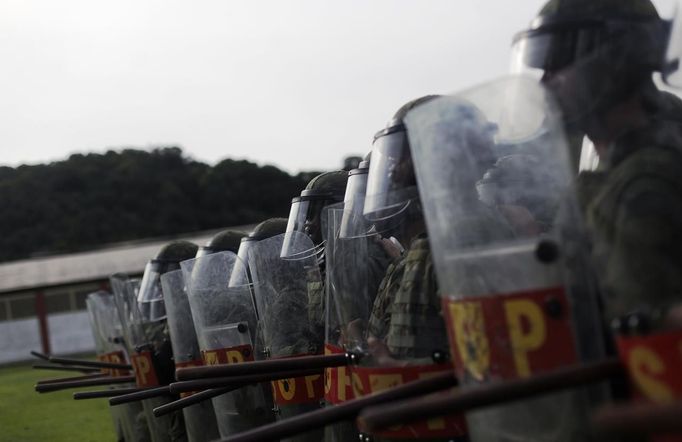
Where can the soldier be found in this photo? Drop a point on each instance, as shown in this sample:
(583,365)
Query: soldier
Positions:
(633,203)
(287,279)
(200,419)
(493,170)
(392,203)
(154,353)
(355,263)
(406,337)
(106,329)
(225,321)
(307,216)
(599,59)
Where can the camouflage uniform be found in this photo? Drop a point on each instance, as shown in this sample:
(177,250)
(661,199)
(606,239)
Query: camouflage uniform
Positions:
(416,327)
(381,317)
(407,312)
(633,206)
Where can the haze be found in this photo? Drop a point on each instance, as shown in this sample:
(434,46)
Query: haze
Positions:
(297,84)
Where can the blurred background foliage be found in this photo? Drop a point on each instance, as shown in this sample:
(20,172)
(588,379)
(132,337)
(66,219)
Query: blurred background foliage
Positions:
(89,200)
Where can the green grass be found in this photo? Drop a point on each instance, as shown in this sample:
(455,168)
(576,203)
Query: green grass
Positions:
(27,416)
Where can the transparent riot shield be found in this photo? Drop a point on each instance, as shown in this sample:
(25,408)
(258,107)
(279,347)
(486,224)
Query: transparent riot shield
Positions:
(496,185)
(200,421)
(288,293)
(151,356)
(347,306)
(387,309)
(226,326)
(108,335)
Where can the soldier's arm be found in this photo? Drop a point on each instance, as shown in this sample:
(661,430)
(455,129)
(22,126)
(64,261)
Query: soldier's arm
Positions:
(645,261)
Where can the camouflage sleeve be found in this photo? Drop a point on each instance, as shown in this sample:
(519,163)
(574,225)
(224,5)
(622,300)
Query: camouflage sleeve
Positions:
(644,263)
(416,327)
(380,317)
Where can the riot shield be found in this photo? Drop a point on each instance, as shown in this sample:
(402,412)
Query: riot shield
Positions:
(225,322)
(107,331)
(289,321)
(151,357)
(508,246)
(200,421)
(384,307)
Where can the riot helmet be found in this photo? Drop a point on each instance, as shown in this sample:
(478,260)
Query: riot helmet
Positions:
(352,222)
(391,183)
(595,54)
(227,240)
(150,296)
(306,209)
(266,229)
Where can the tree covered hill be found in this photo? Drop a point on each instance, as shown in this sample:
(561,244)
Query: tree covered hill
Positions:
(94,199)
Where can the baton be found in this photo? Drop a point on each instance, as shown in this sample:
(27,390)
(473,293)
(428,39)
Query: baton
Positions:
(344,411)
(87,363)
(65,368)
(639,419)
(104,393)
(40,355)
(145,393)
(72,378)
(266,366)
(56,386)
(239,381)
(190,400)
(378,418)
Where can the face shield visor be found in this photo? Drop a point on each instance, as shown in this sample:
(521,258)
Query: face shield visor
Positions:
(204,250)
(352,222)
(590,64)
(150,296)
(391,184)
(306,216)
(240,273)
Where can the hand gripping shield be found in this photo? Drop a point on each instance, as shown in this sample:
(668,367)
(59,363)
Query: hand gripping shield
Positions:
(225,322)
(283,288)
(106,329)
(507,243)
(200,420)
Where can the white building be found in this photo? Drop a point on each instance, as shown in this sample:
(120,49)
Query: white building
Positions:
(42,300)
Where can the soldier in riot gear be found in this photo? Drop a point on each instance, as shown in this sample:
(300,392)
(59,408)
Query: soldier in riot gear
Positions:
(392,202)
(307,216)
(106,329)
(225,319)
(493,171)
(200,419)
(287,280)
(599,59)
(405,337)
(155,350)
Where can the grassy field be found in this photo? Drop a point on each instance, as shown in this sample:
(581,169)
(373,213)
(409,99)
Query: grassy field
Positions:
(27,416)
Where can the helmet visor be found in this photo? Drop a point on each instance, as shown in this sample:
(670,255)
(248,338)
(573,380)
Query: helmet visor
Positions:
(352,222)
(150,296)
(555,48)
(240,272)
(391,168)
(306,216)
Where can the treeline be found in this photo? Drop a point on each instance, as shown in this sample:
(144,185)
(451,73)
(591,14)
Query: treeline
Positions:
(90,200)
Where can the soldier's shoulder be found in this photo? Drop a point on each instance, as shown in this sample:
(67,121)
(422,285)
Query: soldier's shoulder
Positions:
(419,248)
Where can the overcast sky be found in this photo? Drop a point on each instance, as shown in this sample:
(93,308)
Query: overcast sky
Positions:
(297,84)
